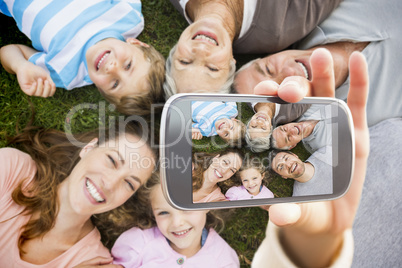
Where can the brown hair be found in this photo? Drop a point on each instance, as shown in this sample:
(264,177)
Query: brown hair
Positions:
(240,140)
(55,157)
(248,163)
(141,104)
(203,161)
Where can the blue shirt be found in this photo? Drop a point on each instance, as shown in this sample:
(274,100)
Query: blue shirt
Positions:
(377,22)
(205,114)
(62,31)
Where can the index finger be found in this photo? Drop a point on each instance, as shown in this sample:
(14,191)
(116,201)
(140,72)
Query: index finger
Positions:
(359,86)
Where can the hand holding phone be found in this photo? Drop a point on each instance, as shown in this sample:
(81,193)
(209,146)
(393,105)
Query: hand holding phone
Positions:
(324,222)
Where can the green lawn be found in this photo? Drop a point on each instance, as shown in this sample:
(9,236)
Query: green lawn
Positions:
(66,110)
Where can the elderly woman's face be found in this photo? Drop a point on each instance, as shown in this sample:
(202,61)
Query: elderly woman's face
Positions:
(108,174)
(202,59)
(275,67)
(223,167)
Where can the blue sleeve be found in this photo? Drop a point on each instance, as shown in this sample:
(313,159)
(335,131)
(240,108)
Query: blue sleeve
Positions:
(39,59)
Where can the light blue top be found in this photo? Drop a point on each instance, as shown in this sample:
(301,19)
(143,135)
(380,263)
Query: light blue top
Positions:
(206,113)
(378,22)
(62,31)
(321,182)
(322,133)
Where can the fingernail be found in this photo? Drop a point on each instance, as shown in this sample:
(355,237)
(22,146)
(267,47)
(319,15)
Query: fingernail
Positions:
(272,83)
(290,83)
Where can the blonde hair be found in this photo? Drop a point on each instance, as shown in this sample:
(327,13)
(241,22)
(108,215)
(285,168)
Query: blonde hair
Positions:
(141,104)
(255,163)
(170,87)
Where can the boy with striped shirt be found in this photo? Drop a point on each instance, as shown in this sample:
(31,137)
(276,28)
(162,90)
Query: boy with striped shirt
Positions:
(217,118)
(78,43)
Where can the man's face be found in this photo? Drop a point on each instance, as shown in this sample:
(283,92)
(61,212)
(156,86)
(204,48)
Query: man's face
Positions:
(201,61)
(275,67)
(288,165)
(118,68)
(259,125)
(289,135)
(228,129)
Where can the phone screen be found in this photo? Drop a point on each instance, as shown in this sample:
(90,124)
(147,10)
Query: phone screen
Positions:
(246,150)
(254,150)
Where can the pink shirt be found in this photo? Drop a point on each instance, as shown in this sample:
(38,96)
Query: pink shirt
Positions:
(214,196)
(241,193)
(149,248)
(14,167)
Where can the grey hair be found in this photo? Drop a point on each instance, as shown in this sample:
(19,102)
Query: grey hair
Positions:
(257,145)
(170,87)
(274,143)
(233,89)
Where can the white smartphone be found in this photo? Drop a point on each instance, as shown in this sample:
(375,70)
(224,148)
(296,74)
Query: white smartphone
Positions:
(232,150)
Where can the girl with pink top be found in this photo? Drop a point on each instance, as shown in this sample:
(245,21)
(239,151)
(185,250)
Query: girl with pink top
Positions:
(176,238)
(49,196)
(252,177)
(210,173)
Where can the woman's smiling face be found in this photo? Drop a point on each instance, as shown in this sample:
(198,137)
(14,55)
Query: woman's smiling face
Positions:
(223,167)
(107,174)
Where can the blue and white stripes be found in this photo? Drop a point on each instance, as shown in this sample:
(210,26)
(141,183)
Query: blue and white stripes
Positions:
(63,30)
(204,115)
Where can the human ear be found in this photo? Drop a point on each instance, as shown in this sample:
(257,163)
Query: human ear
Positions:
(134,41)
(92,144)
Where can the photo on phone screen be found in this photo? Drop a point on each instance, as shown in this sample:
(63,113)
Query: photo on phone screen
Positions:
(251,151)
(281,141)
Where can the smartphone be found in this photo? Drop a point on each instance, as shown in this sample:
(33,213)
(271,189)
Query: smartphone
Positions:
(234,150)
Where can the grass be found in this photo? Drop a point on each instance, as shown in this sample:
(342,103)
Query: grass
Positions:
(69,110)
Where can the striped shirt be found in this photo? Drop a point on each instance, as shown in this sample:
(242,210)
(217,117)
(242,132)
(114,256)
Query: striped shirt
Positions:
(205,114)
(62,31)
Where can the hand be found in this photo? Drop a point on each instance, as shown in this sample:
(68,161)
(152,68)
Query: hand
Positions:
(35,81)
(196,134)
(98,262)
(312,232)
(294,88)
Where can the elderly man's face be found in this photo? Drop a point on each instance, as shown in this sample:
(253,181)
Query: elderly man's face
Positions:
(288,165)
(275,67)
(259,126)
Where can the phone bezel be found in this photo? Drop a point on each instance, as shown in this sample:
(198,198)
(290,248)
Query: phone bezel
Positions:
(178,190)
